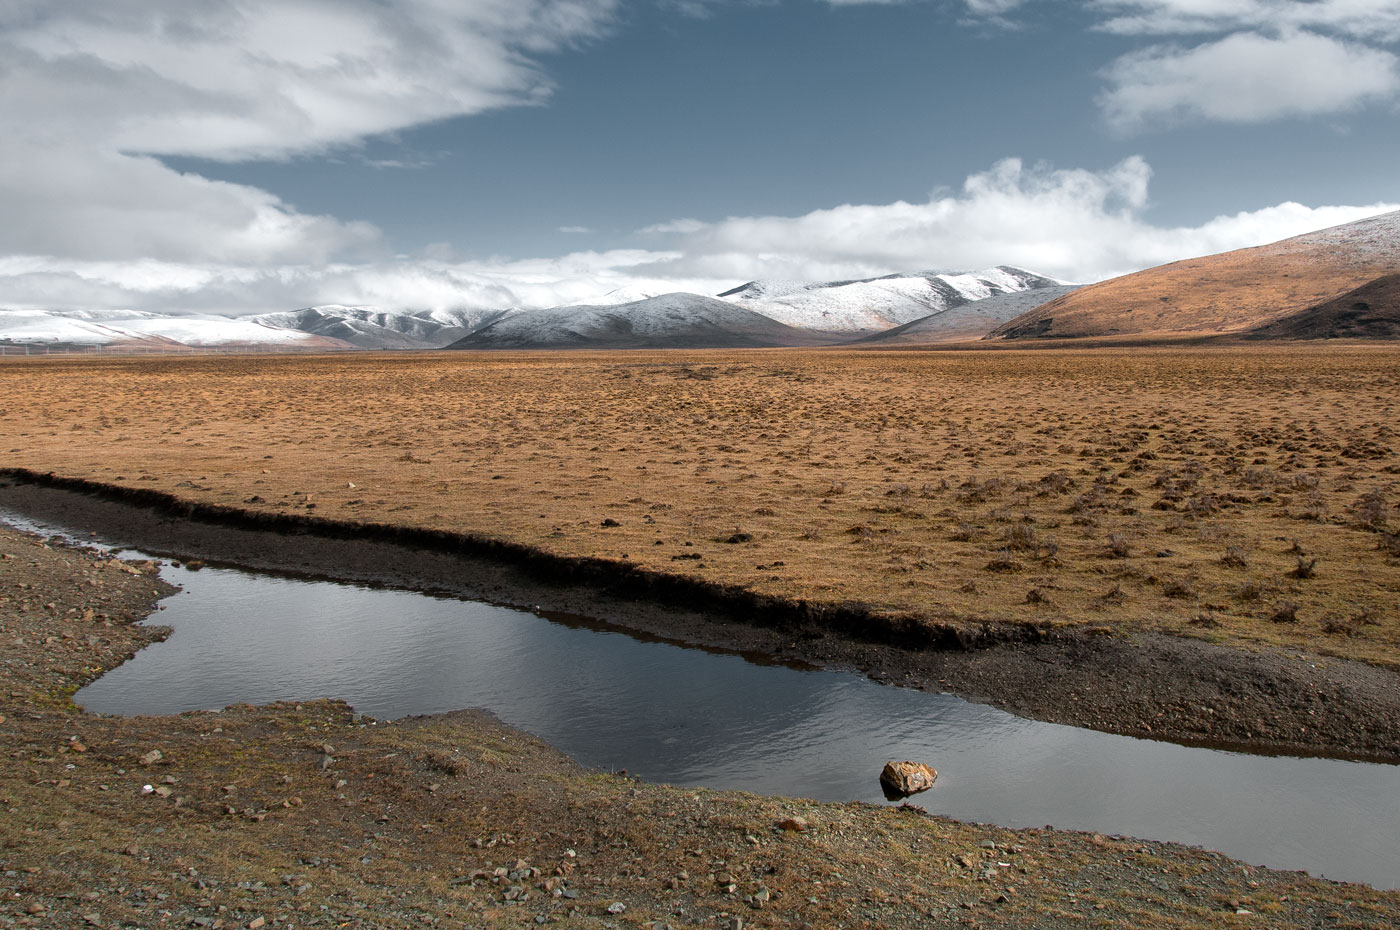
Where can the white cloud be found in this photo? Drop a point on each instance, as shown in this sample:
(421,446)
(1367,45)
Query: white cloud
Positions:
(238,79)
(1247,77)
(686,225)
(992,8)
(95,204)
(48,283)
(1377,19)
(1074,224)
(1275,59)
(88,91)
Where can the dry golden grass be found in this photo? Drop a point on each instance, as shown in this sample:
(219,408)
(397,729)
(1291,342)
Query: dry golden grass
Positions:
(1246,495)
(1225,293)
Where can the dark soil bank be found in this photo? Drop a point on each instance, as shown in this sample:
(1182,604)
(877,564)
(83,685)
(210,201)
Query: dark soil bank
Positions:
(1161,687)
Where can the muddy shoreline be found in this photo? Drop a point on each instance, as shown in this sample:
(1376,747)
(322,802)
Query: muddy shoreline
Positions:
(1154,686)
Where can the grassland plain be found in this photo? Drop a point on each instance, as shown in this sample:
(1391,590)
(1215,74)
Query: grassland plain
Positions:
(302,815)
(1241,497)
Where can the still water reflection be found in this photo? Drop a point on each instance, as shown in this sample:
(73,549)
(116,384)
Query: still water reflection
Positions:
(689,717)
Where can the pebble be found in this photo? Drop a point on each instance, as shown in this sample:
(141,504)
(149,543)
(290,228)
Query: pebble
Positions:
(152,757)
(617,907)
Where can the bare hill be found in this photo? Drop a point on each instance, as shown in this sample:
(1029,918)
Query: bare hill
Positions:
(1372,311)
(1227,293)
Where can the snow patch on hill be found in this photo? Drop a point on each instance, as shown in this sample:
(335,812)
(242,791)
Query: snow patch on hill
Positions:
(381,327)
(109,327)
(666,321)
(1375,237)
(971,320)
(628,294)
(877,304)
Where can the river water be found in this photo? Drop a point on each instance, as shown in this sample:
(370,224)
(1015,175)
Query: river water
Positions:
(693,717)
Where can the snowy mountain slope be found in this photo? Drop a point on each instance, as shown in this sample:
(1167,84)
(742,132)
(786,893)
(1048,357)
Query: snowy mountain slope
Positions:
(218,331)
(668,321)
(971,320)
(877,304)
(381,328)
(40,327)
(92,328)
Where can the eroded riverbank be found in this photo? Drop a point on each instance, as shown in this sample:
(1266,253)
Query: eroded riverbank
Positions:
(300,816)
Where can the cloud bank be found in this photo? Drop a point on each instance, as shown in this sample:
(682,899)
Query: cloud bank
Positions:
(1074,224)
(1069,223)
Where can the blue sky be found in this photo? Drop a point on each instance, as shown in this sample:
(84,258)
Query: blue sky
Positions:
(246,155)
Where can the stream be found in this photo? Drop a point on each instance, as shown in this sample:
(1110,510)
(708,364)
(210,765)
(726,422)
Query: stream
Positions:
(695,717)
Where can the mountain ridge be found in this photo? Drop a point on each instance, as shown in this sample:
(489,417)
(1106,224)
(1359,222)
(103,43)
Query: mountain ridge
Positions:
(676,320)
(967,322)
(370,327)
(871,305)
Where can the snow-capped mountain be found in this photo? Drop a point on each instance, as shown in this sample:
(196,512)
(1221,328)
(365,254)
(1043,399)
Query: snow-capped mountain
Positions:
(667,321)
(761,313)
(383,328)
(134,328)
(877,304)
(971,320)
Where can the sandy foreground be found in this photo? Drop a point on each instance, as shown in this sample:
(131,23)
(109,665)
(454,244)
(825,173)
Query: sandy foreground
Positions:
(303,816)
(1186,543)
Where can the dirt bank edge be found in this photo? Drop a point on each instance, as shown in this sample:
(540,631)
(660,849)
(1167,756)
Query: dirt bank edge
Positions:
(1149,685)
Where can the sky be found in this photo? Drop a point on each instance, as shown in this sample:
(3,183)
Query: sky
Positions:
(243,156)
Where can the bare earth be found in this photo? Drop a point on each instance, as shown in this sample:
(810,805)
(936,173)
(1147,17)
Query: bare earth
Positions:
(1189,543)
(301,816)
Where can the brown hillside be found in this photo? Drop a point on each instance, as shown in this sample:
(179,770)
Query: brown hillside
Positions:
(1225,293)
(1372,311)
